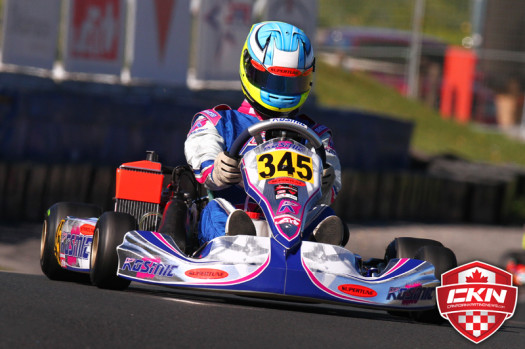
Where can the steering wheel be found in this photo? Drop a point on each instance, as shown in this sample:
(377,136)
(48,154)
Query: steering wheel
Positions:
(255,131)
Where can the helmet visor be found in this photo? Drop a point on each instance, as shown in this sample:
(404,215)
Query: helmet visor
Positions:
(282,81)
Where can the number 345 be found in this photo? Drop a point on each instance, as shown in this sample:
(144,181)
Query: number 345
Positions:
(285,164)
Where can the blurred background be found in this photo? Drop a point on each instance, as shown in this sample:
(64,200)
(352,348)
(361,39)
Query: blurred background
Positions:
(425,98)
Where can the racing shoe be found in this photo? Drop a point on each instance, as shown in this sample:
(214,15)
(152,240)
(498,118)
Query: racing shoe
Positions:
(331,230)
(239,223)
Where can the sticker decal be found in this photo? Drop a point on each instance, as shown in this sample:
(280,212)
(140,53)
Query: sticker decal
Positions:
(147,267)
(357,290)
(287,219)
(287,180)
(286,191)
(288,206)
(410,294)
(87,229)
(206,273)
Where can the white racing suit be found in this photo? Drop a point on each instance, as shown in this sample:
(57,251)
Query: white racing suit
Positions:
(213,131)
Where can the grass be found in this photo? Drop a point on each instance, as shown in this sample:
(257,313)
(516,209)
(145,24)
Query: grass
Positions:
(448,20)
(432,134)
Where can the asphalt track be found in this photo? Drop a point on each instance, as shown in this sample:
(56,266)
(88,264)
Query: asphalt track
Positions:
(39,313)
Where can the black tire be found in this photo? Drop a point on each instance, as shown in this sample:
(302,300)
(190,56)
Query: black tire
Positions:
(406,247)
(109,233)
(346,235)
(423,249)
(443,260)
(55,214)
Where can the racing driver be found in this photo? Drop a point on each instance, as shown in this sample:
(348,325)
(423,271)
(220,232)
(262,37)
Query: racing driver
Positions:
(276,69)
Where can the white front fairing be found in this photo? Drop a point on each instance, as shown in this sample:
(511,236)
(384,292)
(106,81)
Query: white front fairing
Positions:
(284,179)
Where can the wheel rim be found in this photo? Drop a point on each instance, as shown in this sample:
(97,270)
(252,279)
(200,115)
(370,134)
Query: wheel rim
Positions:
(94,249)
(43,240)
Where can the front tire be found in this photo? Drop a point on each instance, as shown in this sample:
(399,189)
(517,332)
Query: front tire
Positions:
(443,260)
(432,251)
(405,247)
(109,233)
(49,242)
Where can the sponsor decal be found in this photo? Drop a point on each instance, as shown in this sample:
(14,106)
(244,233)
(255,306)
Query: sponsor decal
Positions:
(213,116)
(287,180)
(95,29)
(148,266)
(287,219)
(287,191)
(252,142)
(357,290)
(147,275)
(410,294)
(283,145)
(206,273)
(320,129)
(288,206)
(87,229)
(75,245)
(198,126)
(284,71)
(476,298)
(292,121)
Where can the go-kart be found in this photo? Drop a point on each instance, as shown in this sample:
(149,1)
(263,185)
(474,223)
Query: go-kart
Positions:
(514,263)
(282,175)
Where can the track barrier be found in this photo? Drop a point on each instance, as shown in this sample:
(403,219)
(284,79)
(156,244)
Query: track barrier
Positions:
(28,189)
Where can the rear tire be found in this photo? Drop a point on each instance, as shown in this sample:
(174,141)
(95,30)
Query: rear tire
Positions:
(49,262)
(109,233)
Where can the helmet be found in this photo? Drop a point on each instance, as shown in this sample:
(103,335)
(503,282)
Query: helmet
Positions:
(276,68)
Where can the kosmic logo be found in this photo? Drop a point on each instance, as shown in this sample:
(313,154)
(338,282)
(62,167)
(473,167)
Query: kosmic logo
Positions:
(476,298)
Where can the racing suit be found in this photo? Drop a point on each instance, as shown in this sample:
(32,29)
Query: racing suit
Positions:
(213,131)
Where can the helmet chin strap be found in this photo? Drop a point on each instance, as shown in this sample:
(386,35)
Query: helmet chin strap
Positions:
(264,112)
(269,114)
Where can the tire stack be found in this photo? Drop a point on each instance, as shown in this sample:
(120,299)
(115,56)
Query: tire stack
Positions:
(446,191)
(28,189)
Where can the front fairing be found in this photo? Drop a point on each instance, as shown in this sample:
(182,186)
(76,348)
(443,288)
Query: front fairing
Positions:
(283,177)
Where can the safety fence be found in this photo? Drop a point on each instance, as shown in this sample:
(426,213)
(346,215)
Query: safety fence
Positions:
(168,42)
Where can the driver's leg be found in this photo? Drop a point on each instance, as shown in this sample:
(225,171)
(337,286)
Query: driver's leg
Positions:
(213,221)
(322,225)
(220,217)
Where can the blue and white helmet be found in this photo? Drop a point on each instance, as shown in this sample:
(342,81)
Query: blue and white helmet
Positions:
(276,68)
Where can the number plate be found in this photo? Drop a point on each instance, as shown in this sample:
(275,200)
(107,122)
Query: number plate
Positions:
(282,163)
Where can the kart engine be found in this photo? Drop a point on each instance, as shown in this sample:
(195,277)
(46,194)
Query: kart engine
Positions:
(139,189)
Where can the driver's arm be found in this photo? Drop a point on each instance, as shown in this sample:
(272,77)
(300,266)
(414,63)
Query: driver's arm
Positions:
(202,146)
(333,160)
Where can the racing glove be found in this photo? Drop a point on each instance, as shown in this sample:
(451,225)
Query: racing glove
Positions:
(327,180)
(226,170)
